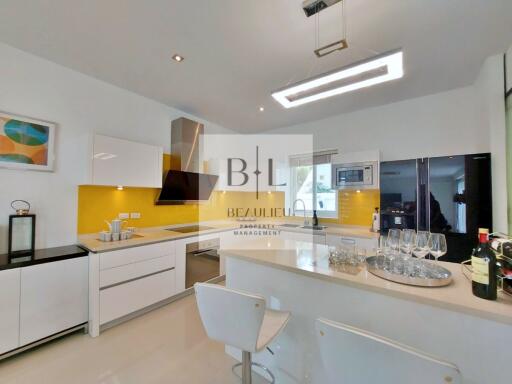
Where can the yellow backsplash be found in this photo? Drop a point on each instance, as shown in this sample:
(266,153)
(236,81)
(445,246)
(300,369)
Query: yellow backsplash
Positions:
(97,204)
(356,208)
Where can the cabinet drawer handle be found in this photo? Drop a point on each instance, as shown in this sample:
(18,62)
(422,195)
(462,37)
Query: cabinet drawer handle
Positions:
(136,278)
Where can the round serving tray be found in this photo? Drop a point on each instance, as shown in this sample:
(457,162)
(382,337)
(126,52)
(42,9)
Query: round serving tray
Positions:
(439,276)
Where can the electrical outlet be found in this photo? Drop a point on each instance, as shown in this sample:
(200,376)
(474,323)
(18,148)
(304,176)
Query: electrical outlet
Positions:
(124,216)
(135,215)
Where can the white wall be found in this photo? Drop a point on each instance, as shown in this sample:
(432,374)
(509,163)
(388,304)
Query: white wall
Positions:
(490,88)
(78,104)
(447,123)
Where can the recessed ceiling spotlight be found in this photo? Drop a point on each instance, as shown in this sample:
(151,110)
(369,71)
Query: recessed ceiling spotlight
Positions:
(262,109)
(178,58)
(375,70)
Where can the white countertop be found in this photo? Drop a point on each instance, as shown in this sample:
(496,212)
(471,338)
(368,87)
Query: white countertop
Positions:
(311,260)
(152,235)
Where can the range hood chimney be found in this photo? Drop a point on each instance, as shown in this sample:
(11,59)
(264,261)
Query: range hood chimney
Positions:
(185,137)
(184,182)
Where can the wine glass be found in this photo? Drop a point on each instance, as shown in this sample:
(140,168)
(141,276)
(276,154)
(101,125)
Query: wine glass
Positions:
(393,245)
(437,245)
(421,248)
(394,236)
(407,241)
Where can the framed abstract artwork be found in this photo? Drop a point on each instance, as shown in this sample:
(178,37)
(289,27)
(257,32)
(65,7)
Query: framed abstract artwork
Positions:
(26,143)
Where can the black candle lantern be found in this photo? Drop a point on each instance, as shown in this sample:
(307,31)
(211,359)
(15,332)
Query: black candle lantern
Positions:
(22,230)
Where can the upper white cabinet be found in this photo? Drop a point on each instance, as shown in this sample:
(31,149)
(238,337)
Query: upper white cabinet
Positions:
(10,309)
(121,162)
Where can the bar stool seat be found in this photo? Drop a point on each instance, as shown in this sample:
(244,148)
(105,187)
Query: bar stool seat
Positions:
(272,325)
(241,320)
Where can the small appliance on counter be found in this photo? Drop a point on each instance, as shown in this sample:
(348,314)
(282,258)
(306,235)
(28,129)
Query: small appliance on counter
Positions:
(376,220)
(115,232)
(22,230)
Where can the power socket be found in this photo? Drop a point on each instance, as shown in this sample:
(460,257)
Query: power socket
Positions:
(135,215)
(124,216)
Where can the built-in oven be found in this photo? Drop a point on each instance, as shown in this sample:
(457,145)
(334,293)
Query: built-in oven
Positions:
(355,175)
(202,262)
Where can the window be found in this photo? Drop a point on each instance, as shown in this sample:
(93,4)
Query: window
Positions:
(311,183)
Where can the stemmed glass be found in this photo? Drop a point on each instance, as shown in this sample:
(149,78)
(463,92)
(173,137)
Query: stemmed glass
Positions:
(393,244)
(437,245)
(407,241)
(421,248)
(394,239)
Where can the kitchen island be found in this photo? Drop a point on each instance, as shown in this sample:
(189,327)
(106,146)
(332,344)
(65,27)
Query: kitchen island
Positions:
(448,322)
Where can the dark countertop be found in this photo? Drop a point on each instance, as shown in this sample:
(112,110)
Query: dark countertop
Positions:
(41,256)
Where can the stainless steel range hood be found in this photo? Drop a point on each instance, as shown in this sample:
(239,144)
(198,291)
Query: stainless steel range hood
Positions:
(185,182)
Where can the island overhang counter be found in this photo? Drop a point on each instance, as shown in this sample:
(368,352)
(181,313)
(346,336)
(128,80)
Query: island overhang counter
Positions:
(447,322)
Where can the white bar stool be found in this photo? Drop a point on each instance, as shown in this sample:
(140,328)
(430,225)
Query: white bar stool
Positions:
(240,320)
(354,356)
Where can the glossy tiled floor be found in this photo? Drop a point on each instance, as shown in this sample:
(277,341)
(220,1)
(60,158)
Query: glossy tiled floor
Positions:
(168,345)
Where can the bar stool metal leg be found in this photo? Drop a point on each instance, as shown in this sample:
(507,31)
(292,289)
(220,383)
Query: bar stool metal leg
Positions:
(261,366)
(246,368)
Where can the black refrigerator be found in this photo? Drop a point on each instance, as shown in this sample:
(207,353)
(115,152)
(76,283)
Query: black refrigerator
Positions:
(450,195)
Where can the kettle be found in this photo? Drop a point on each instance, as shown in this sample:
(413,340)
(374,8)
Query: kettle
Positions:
(115,225)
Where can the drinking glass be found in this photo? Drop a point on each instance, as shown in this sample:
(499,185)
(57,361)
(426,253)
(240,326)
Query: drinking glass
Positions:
(394,236)
(393,247)
(421,248)
(407,241)
(437,245)
(361,255)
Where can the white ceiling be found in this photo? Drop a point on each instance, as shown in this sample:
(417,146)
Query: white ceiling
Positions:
(238,51)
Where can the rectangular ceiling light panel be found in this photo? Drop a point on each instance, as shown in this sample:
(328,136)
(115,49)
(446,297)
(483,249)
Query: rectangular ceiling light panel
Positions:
(376,70)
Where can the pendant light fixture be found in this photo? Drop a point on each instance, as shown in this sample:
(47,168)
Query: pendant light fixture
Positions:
(375,70)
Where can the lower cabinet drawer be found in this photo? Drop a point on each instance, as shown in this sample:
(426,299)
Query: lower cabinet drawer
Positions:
(123,299)
(132,271)
(136,254)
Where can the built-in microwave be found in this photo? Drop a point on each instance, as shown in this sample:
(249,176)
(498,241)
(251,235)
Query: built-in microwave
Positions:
(355,175)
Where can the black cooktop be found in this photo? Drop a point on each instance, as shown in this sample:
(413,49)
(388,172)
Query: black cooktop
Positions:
(189,229)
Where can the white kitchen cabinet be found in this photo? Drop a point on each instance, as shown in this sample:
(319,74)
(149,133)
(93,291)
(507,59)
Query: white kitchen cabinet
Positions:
(123,299)
(115,162)
(316,238)
(359,242)
(127,280)
(181,262)
(10,310)
(53,298)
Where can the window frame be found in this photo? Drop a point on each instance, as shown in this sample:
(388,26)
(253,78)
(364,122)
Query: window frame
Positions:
(294,188)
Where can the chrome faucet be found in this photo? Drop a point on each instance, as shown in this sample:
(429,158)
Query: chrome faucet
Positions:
(304,209)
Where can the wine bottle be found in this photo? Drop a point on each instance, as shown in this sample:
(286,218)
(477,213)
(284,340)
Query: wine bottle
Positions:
(483,263)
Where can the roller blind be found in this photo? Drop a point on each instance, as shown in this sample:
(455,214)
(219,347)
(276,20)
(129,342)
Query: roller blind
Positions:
(320,157)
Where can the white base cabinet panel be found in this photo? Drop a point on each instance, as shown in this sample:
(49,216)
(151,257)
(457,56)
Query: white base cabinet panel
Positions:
(317,238)
(9,309)
(53,298)
(369,244)
(123,299)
